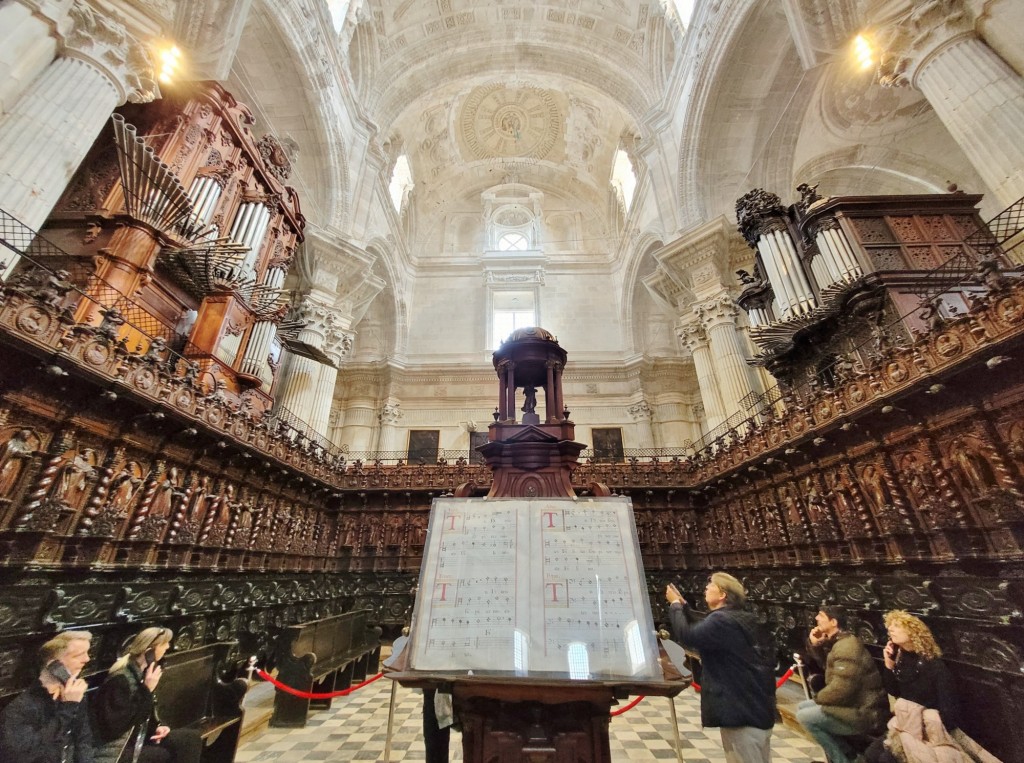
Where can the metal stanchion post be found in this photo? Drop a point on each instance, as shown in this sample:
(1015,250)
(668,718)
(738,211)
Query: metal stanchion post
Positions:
(675,729)
(391,721)
(803,679)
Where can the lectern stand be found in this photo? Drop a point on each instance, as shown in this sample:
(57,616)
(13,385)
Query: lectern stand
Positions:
(532,607)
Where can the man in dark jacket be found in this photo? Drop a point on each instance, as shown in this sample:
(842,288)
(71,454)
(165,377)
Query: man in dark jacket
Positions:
(48,722)
(737,682)
(852,703)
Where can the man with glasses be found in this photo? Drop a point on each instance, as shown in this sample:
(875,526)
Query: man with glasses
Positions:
(48,722)
(737,661)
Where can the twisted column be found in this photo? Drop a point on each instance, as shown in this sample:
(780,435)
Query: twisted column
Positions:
(50,128)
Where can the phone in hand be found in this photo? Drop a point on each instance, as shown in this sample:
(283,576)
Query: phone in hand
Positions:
(59,672)
(150,656)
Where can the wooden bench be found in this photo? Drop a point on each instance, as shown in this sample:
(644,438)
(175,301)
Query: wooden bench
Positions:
(192,695)
(322,656)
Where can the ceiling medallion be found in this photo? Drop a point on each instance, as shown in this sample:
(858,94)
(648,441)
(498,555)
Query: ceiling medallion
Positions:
(498,121)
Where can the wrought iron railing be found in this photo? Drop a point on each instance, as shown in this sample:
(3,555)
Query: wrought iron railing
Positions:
(80,271)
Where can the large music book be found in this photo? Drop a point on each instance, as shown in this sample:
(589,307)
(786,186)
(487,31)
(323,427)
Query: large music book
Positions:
(533,587)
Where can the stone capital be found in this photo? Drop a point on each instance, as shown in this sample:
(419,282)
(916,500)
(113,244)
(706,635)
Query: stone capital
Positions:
(105,44)
(338,344)
(692,335)
(640,411)
(910,41)
(320,321)
(719,309)
(390,413)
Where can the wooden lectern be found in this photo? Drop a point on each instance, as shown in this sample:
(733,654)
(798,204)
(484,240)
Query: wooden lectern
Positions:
(532,608)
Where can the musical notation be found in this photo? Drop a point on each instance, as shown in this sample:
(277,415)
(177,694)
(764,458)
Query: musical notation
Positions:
(541,585)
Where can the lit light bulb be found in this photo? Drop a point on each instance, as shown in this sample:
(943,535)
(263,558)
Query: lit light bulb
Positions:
(170,62)
(864,52)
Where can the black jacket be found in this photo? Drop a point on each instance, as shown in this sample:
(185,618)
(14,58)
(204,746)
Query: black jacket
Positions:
(738,686)
(926,682)
(36,728)
(122,703)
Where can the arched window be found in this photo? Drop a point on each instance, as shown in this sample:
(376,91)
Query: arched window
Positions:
(512,229)
(623,179)
(401,182)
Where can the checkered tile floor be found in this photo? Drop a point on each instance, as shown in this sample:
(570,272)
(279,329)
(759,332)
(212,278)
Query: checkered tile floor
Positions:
(356,729)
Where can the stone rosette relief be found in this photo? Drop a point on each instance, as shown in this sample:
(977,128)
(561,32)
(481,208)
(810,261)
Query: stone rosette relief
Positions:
(497,121)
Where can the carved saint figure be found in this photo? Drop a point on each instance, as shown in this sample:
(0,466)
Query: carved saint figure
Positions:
(124,487)
(530,404)
(73,481)
(13,456)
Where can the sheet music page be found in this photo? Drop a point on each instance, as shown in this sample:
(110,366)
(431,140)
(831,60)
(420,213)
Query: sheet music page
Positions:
(534,586)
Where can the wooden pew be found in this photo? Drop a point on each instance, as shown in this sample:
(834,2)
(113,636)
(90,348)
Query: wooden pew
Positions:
(191,694)
(322,656)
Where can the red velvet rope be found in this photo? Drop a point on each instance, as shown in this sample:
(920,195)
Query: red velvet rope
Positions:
(630,706)
(313,695)
(778,684)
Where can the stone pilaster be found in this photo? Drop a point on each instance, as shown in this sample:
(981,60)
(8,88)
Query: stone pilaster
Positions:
(692,335)
(735,382)
(975,93)
(50,128)
(641,414)
(389,416)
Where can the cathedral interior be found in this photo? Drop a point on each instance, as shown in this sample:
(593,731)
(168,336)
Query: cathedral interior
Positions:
(258,256)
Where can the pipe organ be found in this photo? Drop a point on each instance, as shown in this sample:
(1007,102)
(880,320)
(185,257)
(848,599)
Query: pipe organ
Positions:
(220,250)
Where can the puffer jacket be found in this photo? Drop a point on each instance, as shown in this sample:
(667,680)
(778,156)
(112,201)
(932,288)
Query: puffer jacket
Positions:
(853,690)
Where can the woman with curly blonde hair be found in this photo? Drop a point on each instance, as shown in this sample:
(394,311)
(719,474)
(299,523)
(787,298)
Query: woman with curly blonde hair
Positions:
(914,671)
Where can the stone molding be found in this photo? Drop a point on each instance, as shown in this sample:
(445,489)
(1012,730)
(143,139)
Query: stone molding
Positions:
(390,414)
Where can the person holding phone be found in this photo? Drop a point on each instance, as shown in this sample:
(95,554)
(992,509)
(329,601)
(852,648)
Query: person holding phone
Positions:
(125,721)
(48,722)
(915,672)
(852,706)
(737,660)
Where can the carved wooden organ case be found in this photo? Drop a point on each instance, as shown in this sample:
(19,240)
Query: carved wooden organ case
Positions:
(180,220)
(838,280)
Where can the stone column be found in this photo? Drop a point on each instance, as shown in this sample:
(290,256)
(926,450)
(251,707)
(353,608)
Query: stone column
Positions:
(641,413)
(28,43)
(693,336)
(975,93)
(49,130)
(337,346)
(300,389)
(735,382)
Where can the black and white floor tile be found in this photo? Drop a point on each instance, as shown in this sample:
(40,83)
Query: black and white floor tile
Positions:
(355,728)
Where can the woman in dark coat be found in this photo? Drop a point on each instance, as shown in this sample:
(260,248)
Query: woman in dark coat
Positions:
(126,726)
(914,671)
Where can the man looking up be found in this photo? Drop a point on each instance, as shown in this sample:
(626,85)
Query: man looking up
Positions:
(852,702)
(48,722)
(738,690)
